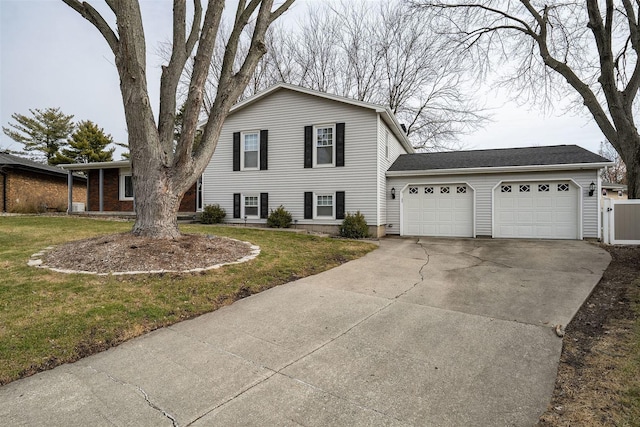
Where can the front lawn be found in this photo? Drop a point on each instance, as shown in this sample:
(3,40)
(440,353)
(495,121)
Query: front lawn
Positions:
(48,318)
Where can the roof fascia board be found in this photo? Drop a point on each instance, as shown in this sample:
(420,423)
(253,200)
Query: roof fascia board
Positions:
(501,169)
(392,122)
(96,165)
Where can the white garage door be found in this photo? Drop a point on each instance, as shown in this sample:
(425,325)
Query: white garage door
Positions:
(438,210)
(542,210)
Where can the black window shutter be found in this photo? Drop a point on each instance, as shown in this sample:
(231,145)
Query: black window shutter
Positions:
(308,205)
(236,152)
(339,144)
(264,205)
(339,204)
(308,146)
(236,205)
(264,145)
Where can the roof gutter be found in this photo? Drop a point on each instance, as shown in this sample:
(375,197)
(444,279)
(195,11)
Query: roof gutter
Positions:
(96,165)
(500,169)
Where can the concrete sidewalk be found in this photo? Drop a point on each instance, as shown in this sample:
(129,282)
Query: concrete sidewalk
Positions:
(437,332)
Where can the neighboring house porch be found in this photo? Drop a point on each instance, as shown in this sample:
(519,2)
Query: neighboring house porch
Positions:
(110,189)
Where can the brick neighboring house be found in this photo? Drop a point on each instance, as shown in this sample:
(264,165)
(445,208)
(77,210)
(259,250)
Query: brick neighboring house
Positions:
(27,186)
(110,190)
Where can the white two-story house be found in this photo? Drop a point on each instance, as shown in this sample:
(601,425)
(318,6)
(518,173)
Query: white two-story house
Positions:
(321,156)
(318,155)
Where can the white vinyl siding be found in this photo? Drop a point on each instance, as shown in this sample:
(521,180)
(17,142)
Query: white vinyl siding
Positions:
(483,185)
(389,148)
(285,113)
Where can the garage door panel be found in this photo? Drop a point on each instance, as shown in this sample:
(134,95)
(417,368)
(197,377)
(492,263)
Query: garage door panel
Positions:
(448,213)
(537,213)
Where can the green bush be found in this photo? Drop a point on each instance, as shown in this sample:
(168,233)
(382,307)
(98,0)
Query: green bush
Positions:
(354,226)
(212,214)
(279,218)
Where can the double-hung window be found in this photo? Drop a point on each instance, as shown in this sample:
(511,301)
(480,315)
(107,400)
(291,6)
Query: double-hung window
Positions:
(250,150)
(324,145)
(126,185)
(251,206)
(324,205)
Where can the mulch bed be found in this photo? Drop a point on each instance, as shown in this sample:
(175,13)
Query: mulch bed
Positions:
(126,252)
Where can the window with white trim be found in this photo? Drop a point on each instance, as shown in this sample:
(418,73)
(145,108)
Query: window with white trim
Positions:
(324,145)
(543,188)
(524,188)
(324,206)
(386,143)
(126,185)
(563,187)
(250,146)
(250,205)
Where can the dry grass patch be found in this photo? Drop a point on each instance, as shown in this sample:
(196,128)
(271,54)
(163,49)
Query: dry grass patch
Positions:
(598,382)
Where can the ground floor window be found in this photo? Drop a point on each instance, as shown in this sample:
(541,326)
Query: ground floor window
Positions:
(126,185)
(251,206)
(324,205)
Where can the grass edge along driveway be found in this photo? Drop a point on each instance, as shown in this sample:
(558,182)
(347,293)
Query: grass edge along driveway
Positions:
(48,318)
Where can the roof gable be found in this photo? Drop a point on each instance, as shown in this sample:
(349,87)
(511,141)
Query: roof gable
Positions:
(498,158)
(385,113)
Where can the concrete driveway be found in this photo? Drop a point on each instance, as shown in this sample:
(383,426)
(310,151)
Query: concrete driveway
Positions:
(442,332)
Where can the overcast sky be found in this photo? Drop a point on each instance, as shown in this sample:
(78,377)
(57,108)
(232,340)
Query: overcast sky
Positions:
(52,57)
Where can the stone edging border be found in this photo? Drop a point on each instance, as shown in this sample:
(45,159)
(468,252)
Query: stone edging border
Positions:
(36,261)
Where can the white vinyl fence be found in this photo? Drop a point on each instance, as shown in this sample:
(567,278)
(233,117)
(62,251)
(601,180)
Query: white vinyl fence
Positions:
(621,222)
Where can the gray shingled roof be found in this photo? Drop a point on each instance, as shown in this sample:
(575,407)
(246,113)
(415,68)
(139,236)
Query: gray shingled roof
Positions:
(529,156)
(16,162)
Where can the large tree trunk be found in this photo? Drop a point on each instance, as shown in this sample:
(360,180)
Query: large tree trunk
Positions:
(630,154)
(156,205)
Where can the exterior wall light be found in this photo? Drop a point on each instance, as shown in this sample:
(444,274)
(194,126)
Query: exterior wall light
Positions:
(592,189)
(393,193)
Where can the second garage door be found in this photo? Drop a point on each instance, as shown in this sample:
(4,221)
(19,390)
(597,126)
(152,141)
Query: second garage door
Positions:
(540,210)
(438,210)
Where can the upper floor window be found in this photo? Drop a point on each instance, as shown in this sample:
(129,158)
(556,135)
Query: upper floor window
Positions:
(250,150)
(324,143)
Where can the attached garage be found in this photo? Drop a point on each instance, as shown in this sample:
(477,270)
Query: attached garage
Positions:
(534,192)
(538,209)
(438,210)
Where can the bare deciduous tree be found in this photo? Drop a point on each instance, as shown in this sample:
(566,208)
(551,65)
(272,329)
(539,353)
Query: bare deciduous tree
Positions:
(558,49)
(162,169)
(373,52)
(616,173)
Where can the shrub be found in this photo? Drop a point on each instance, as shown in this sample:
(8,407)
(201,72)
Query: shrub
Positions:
(279,218)
(212,214)
(354,226)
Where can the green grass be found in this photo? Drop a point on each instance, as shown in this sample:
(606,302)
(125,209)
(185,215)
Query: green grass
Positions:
(49,318)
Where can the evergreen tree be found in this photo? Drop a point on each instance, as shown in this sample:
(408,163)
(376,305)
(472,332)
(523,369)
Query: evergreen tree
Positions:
(87,144)
(45,131)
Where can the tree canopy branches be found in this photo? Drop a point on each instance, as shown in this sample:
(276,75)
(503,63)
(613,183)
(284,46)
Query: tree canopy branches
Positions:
(546,52)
